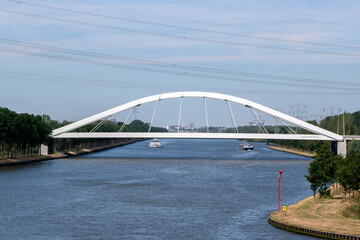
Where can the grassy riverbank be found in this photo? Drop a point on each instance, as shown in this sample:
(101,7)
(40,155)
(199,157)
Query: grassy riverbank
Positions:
(40,158)
(28,160)
(333,215)
(100,148)
(292,150)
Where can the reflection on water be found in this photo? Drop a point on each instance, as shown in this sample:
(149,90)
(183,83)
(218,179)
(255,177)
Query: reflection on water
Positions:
(189,189)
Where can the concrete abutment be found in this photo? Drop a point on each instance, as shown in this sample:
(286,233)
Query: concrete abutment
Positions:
(339,147)
(46,149)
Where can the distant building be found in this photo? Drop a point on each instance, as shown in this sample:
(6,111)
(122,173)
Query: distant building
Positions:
(173,128)
(255,124)
(190,126)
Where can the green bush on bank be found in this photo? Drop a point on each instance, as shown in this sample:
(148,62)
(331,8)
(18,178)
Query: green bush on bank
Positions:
(327,169)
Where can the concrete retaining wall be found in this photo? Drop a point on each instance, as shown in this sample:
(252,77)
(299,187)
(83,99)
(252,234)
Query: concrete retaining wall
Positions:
(311,232)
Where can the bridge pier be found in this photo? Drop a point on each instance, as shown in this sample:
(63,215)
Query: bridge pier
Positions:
(46,149)
(339,148)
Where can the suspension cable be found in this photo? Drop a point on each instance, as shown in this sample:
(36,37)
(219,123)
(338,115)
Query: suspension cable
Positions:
(100,124)
(262,127)
(206,115)
(178,126)
(152,120)
(128,116)
(232,116)
(287,127)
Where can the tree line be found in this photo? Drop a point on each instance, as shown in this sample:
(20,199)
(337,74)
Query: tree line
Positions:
(327,169)
(347,123)
(61,145)
(21,134)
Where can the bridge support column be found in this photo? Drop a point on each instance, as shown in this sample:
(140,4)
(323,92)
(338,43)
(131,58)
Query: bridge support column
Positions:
(46,149)
(339,148)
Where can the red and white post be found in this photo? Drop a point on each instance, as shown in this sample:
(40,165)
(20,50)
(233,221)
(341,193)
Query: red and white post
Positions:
(279,191)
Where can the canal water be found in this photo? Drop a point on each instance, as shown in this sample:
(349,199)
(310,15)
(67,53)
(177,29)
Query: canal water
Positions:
(188,189)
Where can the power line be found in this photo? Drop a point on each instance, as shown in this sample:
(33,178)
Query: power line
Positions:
(183,37)
(178,73)
(162,67)
(33,77)
(182,27)
(237,26)
(272,14)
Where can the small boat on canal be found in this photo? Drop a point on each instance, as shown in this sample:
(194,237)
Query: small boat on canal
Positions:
(246,146)
(155,143)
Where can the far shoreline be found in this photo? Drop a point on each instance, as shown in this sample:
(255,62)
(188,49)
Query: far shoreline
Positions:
(292,150)
(69,153)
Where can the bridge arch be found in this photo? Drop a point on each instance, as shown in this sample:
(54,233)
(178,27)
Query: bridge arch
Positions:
(320,134)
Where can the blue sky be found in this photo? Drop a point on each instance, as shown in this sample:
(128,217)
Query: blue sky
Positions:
(72,59)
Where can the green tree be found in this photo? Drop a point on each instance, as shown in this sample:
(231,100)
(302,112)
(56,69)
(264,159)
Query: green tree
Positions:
(353,147)
(322,170)
(343,177)
(348,172)
(353,162)
(21,133)
(314,176)
(7,128)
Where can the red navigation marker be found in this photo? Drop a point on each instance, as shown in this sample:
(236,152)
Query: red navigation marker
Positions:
(279,190)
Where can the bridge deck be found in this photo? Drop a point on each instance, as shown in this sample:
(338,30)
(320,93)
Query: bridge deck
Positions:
(352,137)
(193,135)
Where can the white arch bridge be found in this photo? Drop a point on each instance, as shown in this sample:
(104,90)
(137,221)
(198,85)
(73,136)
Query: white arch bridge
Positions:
(316,133)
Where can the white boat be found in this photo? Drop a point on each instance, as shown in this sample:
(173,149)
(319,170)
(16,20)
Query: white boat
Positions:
(155,143)
(246,146)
